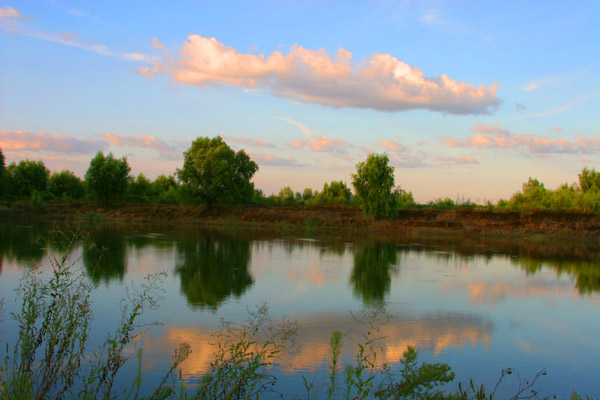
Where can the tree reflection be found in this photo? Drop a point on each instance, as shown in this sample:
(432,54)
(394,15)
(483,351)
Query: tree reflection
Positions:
(104,254)
(24,244)
(586,273)
(373,265)
(212,269)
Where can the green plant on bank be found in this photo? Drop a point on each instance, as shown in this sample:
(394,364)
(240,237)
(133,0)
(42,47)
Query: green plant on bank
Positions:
(285,227)
(309,226)
(36,201)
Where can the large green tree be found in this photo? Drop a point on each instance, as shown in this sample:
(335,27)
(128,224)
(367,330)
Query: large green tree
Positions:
(26,177)
(216,173)
(374,186)
(107,177)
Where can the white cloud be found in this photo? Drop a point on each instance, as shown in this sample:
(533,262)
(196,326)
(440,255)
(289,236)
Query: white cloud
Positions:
(382,82)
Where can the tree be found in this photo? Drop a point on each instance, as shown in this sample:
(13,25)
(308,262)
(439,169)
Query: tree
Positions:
(286,196)
(216,173)
(2,173)
(335,192)
(65,184)
(141,188)
(107,177)
(589,180)
(374,186)
(27,177)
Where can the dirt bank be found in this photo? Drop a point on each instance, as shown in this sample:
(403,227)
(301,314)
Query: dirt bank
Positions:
(414,222)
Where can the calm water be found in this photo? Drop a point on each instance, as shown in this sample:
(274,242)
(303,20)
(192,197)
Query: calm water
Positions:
(478,306)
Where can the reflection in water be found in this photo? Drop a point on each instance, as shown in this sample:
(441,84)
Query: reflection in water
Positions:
(104,254)
(373,264)
(24,244)
(211,269)
(585,272)
(311,344)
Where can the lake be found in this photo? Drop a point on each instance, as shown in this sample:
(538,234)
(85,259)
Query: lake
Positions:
(479,305)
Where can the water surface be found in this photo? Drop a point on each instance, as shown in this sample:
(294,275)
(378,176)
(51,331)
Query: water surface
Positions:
(479,306)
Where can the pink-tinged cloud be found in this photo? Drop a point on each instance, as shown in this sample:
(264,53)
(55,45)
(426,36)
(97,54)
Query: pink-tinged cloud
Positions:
(263,159)
(494,136)
(26,141)
(10,13)
(456,160)
(321,144)
(393,145)
(382,82)
(144,141)
(258,142)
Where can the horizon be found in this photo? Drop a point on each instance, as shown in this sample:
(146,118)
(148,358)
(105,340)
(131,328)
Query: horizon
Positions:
(467,99)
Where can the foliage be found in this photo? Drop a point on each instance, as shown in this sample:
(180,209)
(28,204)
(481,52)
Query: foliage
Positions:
(66,185)
(589,180)
(286,196)
(534,196)
(140,189)
(216,173)
(107,177)
(27,176)
(416,381)
(241,366)
(50,359)
(335,192)
(2,173)
(374,186)
(164,189)
(36,201)
(525,389)
(405,199)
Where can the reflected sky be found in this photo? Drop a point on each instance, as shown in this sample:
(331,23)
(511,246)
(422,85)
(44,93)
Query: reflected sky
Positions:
(479,306)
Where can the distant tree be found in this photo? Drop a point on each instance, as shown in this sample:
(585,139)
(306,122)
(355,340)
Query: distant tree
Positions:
(2,173)
(216,173)
(164,189)
(27,177)
(140,189)
(307,194)
(286,196)
(589,180)
(374,186)
(65,184)
(107,177)
(164,183)
(335,192)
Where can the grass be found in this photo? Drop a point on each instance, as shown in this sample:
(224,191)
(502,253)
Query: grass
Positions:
(50,359)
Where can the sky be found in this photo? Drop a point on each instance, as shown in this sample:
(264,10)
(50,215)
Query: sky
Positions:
(467,98)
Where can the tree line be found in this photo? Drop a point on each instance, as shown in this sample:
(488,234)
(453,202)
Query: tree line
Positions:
(214,174)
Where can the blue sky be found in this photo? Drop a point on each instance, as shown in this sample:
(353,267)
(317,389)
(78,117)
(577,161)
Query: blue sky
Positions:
(467,98)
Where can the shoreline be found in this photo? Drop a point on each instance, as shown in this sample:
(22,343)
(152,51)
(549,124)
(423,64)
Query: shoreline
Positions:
(408,222)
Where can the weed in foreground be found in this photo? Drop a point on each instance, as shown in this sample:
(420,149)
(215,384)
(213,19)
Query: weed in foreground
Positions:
(48,360)
(241,367)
